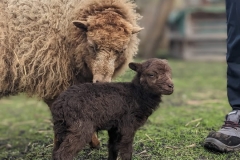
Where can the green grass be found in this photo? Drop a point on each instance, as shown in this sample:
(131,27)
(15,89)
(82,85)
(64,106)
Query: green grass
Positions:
(176,131)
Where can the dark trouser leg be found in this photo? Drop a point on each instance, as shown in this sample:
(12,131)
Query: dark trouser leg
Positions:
(233,53)
(228,137)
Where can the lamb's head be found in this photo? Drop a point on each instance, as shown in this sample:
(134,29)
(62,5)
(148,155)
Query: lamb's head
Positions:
(154,75)
(108,37)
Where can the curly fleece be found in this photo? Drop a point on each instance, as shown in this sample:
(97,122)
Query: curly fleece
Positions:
(42,52)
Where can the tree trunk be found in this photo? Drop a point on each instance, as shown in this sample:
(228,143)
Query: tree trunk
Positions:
(149,44)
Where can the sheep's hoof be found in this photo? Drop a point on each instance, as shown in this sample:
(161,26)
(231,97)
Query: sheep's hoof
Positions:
(95,143)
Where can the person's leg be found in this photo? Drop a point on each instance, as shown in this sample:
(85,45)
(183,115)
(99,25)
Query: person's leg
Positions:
(228,137)
(233,53)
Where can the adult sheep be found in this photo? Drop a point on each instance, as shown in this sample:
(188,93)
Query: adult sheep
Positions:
(46,46)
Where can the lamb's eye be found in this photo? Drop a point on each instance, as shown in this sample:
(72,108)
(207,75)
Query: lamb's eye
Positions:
(150,75)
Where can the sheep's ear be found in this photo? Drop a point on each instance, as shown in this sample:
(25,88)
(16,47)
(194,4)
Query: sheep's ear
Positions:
(135,66)
(136,30)
(81,24)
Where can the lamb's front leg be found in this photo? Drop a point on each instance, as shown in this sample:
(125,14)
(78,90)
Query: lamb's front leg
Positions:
(113,142)
(125,146)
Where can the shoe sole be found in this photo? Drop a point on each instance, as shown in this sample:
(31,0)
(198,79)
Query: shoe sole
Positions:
(215,144)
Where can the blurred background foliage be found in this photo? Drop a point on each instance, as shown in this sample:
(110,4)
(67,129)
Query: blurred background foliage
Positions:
(183,29)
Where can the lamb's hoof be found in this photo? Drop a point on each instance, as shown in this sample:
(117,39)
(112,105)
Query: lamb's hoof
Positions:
(97,146)
(95,143)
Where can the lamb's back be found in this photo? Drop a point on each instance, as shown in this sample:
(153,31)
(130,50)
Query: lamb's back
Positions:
(86,101)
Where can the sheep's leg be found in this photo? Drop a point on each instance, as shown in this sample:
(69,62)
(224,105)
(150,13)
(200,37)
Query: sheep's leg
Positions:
(125,146)
(114,139)
(79,134)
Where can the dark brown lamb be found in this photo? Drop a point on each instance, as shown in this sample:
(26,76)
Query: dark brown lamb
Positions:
(119,108)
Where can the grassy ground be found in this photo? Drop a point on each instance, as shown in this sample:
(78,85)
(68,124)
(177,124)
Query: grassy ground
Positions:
(174,132)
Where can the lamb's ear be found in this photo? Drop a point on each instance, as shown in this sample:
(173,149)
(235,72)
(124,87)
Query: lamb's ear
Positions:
(136,30)
(135,66)
(80,24)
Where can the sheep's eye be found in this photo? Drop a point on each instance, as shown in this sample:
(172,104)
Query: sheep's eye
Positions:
(118,52)
(93,47)
(121,51)
(124,49)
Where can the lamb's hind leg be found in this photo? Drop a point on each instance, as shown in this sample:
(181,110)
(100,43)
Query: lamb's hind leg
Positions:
(95,143)
(78,135)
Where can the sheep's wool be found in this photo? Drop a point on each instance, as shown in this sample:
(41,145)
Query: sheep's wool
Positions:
(42,52)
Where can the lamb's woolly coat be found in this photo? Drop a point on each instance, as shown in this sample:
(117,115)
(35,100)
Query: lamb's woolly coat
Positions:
(119,108)
(42,52)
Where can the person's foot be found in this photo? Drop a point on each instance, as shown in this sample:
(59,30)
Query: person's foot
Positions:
(227,139)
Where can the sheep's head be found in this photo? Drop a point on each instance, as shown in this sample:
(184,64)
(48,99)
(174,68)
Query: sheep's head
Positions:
(108,37)
(154,76)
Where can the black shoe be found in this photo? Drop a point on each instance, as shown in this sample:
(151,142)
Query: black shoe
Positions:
(227,139)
